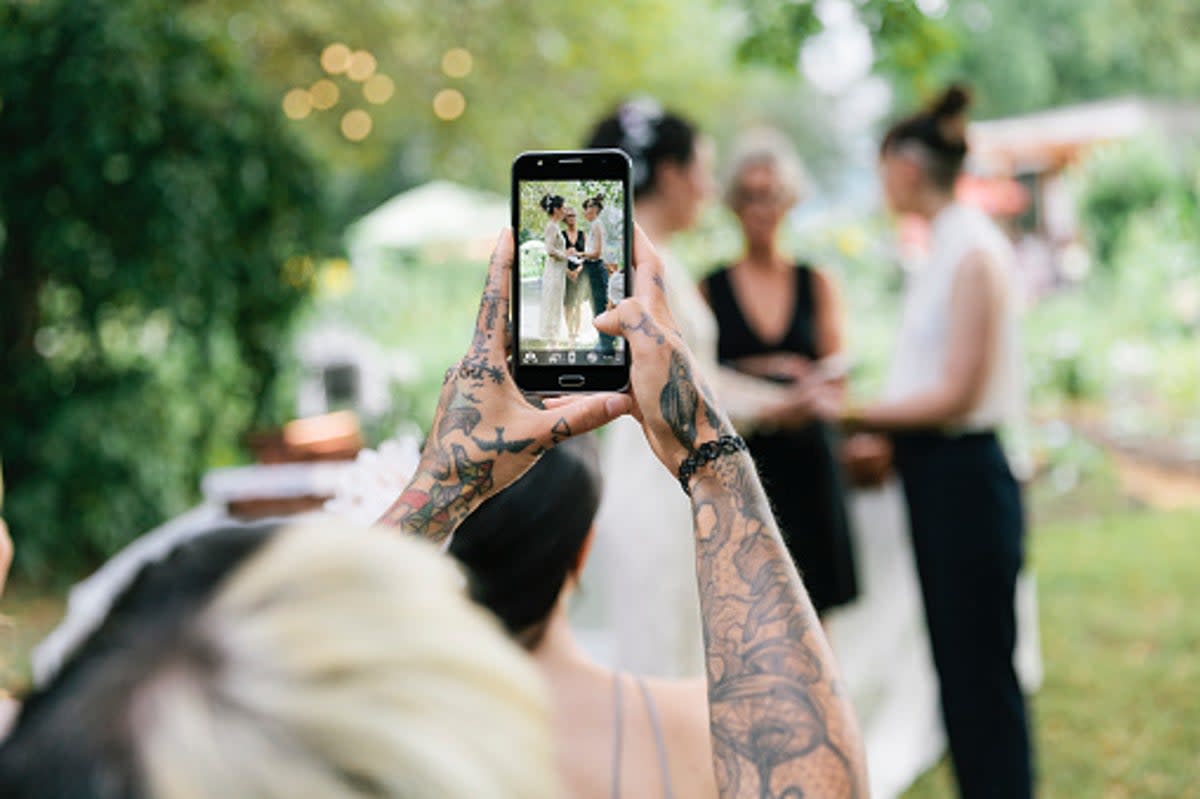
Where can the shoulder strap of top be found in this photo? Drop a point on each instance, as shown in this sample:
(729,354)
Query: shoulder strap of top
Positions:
(660,742)
(617,742)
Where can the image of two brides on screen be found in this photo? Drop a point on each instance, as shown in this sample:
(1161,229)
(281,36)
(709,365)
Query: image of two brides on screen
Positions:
(580,276)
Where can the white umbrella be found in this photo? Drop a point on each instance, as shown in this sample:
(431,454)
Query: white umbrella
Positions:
(439,214)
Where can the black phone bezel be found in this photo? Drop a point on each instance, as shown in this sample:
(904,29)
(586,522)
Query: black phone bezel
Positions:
(599,164)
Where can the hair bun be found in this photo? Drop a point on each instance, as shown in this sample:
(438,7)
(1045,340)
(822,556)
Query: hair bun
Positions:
(954,101)
(949,115)
(547,203)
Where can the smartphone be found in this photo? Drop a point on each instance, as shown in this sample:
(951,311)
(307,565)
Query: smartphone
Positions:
(572,215)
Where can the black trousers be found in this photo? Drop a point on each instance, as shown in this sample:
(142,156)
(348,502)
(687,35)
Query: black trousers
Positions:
(967,522)
(597,277)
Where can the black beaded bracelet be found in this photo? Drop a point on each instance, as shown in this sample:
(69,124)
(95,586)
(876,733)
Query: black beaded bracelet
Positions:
(706,453)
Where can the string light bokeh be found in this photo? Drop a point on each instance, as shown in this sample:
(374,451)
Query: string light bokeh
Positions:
(339,60)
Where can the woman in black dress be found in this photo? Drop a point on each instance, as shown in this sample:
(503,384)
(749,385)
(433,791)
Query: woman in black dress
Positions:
(780,319)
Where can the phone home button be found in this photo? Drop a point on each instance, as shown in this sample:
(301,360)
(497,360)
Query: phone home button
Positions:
(571,381)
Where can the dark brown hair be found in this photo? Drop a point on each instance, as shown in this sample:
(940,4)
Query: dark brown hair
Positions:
(520,546)
(649,135)
(941,132)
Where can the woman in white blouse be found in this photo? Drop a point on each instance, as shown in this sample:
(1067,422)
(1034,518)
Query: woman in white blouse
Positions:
(955,381)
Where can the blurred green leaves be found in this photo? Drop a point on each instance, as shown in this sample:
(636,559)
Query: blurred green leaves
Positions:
(908,43)
(150,195)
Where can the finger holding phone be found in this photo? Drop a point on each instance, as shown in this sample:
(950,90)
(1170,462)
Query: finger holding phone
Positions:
(673,402)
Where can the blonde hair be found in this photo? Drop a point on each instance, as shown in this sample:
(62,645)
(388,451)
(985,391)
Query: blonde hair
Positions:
(339,663)
(767,147)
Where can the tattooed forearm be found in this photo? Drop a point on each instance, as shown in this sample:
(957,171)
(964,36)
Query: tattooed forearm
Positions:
(485,434)
(780,730)
(456,467)
(434,504)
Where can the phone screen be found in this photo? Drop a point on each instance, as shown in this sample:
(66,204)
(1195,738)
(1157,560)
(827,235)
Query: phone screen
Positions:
(572,257)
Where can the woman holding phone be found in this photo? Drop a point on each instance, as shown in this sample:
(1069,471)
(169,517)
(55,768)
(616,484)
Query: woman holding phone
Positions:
(554,274)
(769,718)
(781,320)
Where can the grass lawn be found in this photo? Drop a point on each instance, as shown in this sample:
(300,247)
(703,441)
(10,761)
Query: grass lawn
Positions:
(1119,713)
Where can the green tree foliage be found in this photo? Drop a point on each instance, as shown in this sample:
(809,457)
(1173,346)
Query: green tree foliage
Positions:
(1025,55)
(1021,55)
(908,43)
(155,216)
(1121,181)
(574,193)
(541,74)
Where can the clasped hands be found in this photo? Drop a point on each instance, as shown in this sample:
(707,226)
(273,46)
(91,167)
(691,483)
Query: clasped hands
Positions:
(810,394)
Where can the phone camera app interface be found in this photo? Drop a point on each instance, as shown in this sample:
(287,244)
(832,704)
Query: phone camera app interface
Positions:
(572,260)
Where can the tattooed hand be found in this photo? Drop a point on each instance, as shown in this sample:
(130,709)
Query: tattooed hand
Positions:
(671,399)
(485,433)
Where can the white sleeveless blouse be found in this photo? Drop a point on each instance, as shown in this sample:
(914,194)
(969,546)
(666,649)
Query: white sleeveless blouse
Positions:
(923,342)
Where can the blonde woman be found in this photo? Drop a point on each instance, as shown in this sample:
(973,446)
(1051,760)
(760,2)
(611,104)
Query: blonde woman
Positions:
(554,273)
(320,661)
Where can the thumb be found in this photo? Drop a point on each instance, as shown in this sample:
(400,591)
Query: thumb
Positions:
(585,414)
(608,322)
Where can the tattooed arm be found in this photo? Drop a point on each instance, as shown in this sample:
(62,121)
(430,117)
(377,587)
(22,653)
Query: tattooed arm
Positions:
(485,434)
(780,727)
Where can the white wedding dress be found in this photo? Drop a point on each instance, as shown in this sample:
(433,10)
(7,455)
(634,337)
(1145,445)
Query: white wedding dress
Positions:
(639,608)
(554,277)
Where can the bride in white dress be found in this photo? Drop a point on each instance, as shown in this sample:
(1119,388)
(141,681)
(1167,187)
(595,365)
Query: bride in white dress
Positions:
(554,274)
(640,597)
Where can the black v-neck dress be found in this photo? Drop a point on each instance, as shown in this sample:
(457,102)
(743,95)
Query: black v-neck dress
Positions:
(799,468)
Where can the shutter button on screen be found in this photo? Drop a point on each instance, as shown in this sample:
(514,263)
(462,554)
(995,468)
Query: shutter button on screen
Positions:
(571,381)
